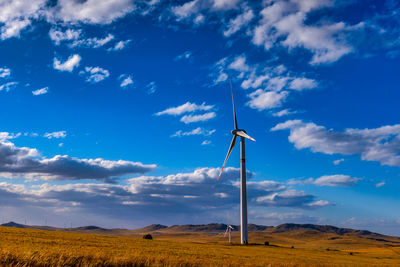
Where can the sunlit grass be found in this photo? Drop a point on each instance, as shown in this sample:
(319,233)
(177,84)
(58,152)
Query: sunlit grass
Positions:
(24,247)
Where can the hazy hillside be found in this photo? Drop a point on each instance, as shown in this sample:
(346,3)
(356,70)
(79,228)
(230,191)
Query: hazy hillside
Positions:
(320,228)
(209,228)
(152,228)
(38,227)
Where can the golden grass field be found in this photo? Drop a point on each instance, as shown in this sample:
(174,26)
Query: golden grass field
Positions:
(27,247)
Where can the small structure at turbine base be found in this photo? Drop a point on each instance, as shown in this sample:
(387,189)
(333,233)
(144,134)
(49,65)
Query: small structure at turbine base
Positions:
(147,236)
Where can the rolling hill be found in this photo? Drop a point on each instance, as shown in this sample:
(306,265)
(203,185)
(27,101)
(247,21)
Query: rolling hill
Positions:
(215,228)
(289,245)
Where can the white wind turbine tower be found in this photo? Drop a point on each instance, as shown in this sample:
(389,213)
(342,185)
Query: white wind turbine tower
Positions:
(243,191)
(229,229)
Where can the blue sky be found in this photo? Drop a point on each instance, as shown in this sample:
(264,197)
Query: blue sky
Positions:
(119,114)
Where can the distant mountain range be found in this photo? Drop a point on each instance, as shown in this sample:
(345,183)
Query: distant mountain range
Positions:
(213,228)
(89,228)
(320,228)
(206,228)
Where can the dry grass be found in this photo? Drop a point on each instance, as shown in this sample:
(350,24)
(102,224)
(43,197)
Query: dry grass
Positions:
(24,247)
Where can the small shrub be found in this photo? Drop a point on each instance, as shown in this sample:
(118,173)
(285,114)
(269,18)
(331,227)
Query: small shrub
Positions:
(292,247)
(147,236)
(266,243)
(351,253)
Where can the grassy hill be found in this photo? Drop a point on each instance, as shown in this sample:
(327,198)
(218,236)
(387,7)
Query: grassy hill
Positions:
(290,245)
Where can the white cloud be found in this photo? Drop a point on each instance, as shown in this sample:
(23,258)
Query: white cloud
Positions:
(239,64)
(185,108)
(379,144)
(127,80)
(41,91)
(254,81)
(95,74)
(338,161)
(59,134)
(283,112)
(92,42)
(193,8)
(284,23)
(90,11)
(380,184)
(319,40)
(8,86)
(195,11)
(266,186)
(31,134)
(120,45)
(75,38)
(197,118)
(222,77)
(191,108)
(199,19)
(14,28)
(165,198)
(58,36)
(206,143)
(262,100)
(17,15)
(221,195)
(5,72)
(300,84)
(224,4)
(320,203)
(191,183)
(239,22)
(339,180)
(280,23)
(187,55)
(196,131)
(277,83)
(291,198)
(28,163)
(4,136)
(69,65)
(186,9)
(218,71)
(151,87)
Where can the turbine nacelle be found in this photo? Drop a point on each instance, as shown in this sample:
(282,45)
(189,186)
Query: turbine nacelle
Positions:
(234,132)
(242,133)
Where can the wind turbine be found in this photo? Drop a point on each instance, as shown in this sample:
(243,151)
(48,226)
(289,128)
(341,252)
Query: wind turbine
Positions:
(243,191)
(229,229)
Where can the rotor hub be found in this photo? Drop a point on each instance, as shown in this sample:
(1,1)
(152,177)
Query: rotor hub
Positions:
(237,130)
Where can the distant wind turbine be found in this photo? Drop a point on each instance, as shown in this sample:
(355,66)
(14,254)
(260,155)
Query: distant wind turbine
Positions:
(229,229)
(243,191)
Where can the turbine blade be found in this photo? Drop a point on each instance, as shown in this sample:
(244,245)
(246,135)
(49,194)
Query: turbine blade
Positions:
(245,135)
(226,231)
(233,105)
(227,155)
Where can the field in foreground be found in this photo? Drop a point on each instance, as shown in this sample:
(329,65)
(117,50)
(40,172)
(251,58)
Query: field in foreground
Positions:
(27,247)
